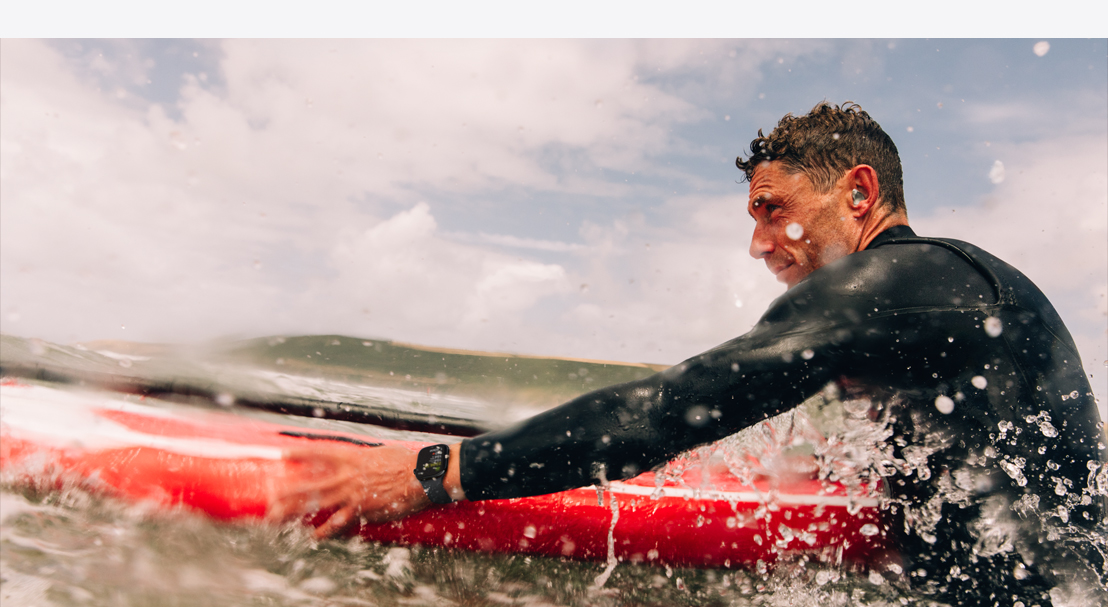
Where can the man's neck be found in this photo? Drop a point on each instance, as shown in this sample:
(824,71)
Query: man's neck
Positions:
(872,230)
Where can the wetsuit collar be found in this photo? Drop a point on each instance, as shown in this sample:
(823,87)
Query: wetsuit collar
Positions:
(889,234)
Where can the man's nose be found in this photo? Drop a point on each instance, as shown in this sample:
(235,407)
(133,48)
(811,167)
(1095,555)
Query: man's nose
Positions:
(761,245)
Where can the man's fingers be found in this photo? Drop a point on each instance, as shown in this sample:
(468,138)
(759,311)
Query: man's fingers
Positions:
(304,501)
(337,522)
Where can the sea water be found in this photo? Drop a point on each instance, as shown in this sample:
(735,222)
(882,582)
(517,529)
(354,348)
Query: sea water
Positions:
(70,548)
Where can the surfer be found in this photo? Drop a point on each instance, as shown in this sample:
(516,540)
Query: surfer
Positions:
(996,469)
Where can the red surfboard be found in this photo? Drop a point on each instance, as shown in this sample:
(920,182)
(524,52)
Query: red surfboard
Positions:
(224,465)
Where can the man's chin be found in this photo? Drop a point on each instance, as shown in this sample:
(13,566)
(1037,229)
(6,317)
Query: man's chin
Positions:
(790,275)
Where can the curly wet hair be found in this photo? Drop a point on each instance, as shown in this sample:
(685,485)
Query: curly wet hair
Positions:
(825,143)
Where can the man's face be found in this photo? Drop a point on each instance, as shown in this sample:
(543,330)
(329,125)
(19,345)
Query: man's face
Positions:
(798,229)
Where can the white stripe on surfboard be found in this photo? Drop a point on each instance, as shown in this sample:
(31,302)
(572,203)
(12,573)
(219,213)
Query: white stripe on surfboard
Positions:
(803,499)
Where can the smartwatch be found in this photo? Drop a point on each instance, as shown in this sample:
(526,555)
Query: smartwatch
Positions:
(430,470)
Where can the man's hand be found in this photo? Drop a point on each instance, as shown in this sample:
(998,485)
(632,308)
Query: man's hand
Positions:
(372,485)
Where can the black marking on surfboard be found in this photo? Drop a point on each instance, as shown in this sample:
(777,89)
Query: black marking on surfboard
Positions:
(334,437)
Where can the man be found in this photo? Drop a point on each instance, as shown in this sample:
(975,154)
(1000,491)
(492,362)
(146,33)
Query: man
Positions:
(997,461)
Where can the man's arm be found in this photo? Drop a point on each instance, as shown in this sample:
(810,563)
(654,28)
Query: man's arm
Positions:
(621,431)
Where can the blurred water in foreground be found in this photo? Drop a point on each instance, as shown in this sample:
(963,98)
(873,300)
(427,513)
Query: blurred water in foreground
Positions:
(70,549)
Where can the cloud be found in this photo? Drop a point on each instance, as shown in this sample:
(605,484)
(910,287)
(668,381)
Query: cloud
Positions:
(507,240)
(404,279)
(388,116)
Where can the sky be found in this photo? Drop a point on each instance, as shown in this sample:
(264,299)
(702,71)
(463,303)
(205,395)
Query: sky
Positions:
(565,197)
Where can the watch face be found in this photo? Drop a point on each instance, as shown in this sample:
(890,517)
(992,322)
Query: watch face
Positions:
(431,462)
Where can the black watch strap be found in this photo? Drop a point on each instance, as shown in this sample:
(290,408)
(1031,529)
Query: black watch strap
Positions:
(436,492)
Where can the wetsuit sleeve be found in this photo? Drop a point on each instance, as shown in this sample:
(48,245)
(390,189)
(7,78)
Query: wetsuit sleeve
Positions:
(623,430)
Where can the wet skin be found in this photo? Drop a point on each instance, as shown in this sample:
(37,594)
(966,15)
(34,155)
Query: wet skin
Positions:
(831,225)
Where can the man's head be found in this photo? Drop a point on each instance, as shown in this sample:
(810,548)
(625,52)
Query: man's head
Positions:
(821,187)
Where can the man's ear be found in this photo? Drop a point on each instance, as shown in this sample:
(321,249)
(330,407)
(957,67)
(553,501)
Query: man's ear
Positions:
(864,190)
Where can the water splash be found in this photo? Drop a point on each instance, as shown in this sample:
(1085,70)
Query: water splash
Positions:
(612,562)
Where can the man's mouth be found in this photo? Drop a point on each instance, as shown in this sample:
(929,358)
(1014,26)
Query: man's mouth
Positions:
(778,268)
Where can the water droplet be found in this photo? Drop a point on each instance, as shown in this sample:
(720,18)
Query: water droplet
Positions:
(979,382)
(944,404)
(696,416)
(1014,469)
(794,231)
(869,529)
(807,354)
(996,174)
(224,399)
(738,303)
(734,367)
(993,326)
(1041,48)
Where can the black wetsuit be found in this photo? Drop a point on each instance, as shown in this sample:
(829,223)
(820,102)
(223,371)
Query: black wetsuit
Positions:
(922,325)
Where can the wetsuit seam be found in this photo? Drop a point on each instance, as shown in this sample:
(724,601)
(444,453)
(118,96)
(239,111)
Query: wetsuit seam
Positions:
(1002,292)
(889,314)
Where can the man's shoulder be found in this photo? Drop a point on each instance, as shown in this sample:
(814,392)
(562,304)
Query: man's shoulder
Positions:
(904,272)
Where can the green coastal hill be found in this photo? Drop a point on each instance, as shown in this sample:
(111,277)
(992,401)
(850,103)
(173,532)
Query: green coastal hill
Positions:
(537,380)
